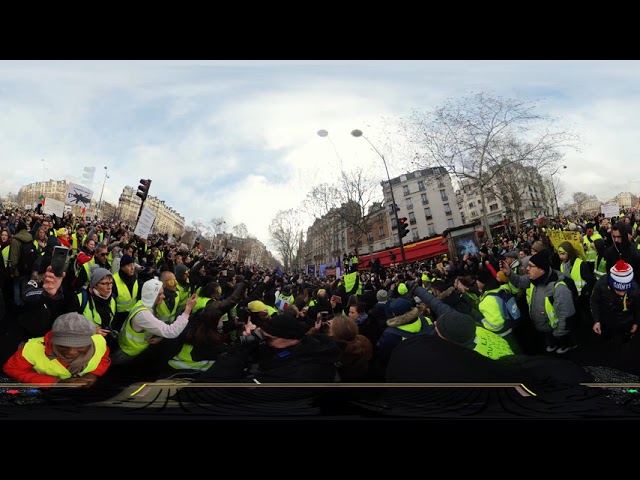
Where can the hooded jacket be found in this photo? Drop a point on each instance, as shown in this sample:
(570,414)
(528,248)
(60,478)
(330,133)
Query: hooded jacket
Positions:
(23,236)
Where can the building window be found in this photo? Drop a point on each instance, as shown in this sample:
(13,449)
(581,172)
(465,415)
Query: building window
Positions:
(403,178)
(409,204)
(379,218)
(472,204)
(450,223)
(381,232)
(447,209)
(493,207)
(370,237)
(405,190)
(427,213)
(421,185)
(443,195)
(424,199)
(474,214)
(431,228)
(412,218)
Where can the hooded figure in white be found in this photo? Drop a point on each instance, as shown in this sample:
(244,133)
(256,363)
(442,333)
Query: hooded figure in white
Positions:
(142,319)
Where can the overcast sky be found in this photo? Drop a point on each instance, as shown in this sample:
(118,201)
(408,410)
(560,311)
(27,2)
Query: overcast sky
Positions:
(238,139)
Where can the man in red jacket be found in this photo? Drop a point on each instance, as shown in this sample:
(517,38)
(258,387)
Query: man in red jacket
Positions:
(71,353)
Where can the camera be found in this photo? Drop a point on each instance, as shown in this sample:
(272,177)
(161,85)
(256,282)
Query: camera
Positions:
(255,338)
(112,336)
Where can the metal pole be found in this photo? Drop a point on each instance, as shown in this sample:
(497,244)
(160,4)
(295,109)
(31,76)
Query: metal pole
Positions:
(358,133)
(553,185)
(101,192)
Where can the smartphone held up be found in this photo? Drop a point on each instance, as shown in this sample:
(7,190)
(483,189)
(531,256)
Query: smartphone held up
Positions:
(59,260)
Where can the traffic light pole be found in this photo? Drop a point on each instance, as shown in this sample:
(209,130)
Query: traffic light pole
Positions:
(143,191)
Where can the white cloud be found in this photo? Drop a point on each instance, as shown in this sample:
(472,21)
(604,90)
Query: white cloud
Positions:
(237,139)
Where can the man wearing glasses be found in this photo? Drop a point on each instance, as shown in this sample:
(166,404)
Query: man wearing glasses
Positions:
(99,260)
(550,301)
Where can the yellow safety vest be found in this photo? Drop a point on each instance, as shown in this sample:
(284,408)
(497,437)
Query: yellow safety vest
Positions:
(125,300)
(183,360)
(575,274)
(552,316)
(92,314)
(131,342)
(163,313)
(33,352)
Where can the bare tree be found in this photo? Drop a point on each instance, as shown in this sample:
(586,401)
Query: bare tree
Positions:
(240,230)
(217,225)
(477,136)
(512,187)
(348,201)
(285,234)
(320,204)
(580,198)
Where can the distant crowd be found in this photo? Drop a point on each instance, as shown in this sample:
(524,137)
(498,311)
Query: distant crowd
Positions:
(125,309)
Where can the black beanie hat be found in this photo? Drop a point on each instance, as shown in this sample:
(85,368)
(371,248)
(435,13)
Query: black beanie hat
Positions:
(457,327)
(484,275)
(285,327)
(20,226)
(542,260)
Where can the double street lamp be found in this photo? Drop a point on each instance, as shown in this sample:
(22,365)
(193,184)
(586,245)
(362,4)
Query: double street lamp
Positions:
(555,196)
(358,133)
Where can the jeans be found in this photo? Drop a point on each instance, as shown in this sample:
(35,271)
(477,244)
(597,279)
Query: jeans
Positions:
(17,292)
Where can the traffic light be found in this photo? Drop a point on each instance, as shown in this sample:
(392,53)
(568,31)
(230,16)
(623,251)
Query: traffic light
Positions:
(403,229)
(143,189)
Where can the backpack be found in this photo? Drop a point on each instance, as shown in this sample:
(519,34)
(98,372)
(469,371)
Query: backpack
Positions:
(572,286)
(28,256)
(508,307)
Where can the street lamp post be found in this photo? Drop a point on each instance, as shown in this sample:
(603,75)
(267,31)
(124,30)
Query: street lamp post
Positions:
(555,197)
(44,175)
(358,133)
(101,192)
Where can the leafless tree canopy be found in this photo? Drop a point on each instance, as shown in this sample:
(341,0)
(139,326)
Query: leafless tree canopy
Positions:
(285,231)
(476,137)
(348,200)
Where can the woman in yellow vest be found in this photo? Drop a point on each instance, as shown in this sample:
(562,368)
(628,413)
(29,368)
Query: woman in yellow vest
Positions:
(40,240)
(584,279)
(202,341)
(142,328)
(5,246)
(71,353)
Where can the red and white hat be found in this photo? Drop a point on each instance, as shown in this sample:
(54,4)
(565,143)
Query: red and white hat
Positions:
(621,276)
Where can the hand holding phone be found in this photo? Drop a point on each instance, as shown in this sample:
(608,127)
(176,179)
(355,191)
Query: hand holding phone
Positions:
(59,260)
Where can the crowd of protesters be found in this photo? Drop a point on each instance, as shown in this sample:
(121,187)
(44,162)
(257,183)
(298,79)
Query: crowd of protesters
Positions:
(155,309)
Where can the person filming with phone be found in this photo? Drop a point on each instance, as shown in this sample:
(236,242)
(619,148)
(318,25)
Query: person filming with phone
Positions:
(42,296)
